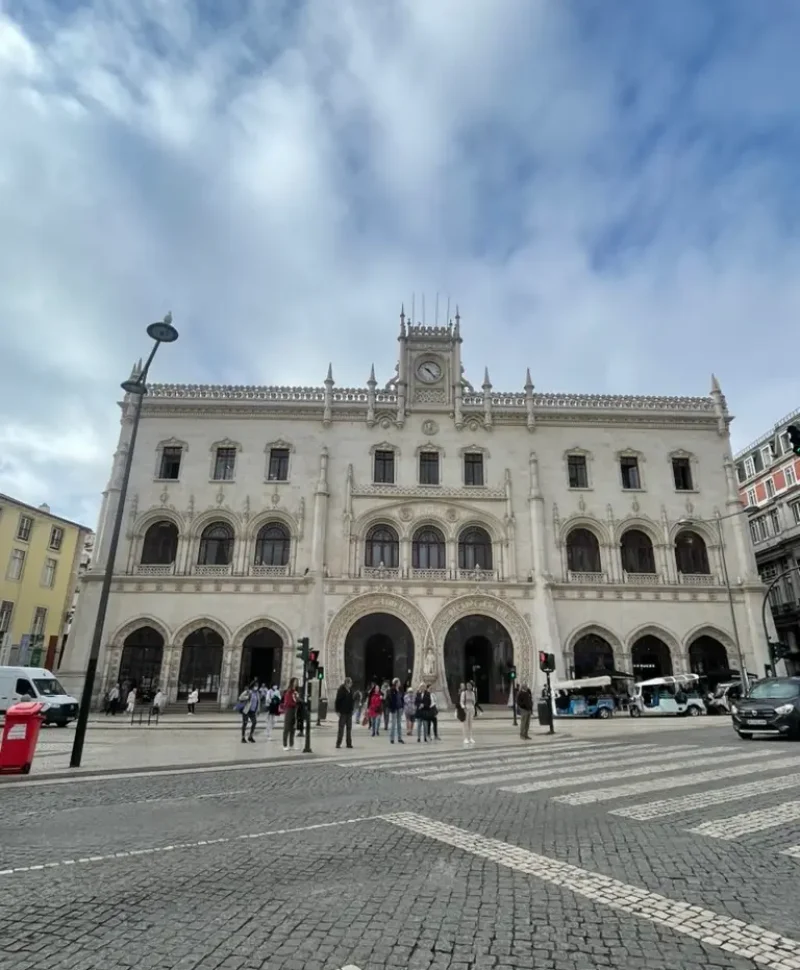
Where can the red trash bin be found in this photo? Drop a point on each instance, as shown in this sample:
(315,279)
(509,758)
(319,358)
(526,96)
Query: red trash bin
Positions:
(20,734)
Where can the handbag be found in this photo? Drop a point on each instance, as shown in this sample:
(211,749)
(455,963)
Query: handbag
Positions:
(461,714)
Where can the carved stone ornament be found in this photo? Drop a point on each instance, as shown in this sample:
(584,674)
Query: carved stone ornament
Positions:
(246,509)
(220,496)
(451,515)
(429,667)
(190,509)
(406,514)
(386,423)
(635,505)
(164,496)
(430,427)
(689,506)
(582,504)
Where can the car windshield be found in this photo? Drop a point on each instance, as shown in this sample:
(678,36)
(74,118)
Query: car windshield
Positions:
(49,687)
(775,689)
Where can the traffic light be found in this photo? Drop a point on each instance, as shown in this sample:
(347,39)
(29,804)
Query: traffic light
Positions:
(793,433)
(778,650)
(313,662)
(547,662)
(302,649)
(512,673)
(320,673)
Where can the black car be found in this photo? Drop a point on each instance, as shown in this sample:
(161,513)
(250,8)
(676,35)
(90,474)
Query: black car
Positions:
(771,706)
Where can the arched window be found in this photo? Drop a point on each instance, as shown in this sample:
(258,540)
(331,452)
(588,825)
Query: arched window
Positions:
(637,552)
(216,545)
(691,555)
(583,552)
(428,549)
(382,547)
(475,549)
(160,544)
(272,545)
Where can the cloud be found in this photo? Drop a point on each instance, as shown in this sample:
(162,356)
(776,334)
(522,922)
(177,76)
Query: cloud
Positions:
(607,190)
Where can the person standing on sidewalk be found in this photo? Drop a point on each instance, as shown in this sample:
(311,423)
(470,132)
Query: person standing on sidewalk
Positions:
(344,706)
(291,698)
(525,705)
(192,699)
(250,704)
(273,709)
(396,705)
(467,701)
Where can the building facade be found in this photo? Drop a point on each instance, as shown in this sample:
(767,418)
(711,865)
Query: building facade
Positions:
(40,556)
(425,529)
(769,480)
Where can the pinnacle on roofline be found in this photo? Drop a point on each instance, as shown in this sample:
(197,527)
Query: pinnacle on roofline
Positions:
(329,378)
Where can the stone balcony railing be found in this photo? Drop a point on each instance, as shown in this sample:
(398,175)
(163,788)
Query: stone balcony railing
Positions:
(478,575)
(215,570)
(642,579)
(586,577)
(697,579)
(267,571)
(381,572)
(431,575)
(155,569)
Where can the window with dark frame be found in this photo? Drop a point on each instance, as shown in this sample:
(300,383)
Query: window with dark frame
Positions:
(224,464)
(24,528)
(473,468)
(629,469)
(429,468)
(577,471)
(56,538)
(383,471)
(6,611)
(682,473)
(170,467)
(278,465)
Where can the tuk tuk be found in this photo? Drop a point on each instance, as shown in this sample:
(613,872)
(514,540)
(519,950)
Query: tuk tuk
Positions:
(668,696)
(589,697)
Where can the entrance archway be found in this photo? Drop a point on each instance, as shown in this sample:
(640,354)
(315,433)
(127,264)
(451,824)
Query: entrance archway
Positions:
(651,657)
(262,654)
(593,655)
(479,648)
(378,647)
(201,664)
(140,665)
(709,658)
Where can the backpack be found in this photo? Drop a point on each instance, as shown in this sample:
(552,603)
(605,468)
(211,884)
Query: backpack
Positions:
(275,704)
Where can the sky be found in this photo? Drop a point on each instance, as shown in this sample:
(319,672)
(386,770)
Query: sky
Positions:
(607,188)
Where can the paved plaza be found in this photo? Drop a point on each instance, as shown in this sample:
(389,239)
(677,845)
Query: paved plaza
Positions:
(675,847)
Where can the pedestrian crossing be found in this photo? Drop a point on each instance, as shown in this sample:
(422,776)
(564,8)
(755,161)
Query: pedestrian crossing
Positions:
(588,773)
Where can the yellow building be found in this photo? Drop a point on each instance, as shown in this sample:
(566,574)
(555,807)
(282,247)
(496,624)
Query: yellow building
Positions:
(40,555)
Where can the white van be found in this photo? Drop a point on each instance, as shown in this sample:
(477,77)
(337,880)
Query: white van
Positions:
(40,685)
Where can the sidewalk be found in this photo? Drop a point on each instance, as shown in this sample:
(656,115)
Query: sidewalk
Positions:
(124,749)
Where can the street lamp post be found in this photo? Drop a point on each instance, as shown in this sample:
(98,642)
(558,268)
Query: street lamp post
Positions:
(729,590)
(162,332)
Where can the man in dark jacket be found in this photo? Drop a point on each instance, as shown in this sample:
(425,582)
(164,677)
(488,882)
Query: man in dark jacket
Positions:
(525,705)
(396,705)
(343,705)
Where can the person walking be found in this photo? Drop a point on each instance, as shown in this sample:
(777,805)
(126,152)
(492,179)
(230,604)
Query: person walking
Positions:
(386,691)
(250,701)
(433,716)
(358,706)
(289,702)
(467,704)
(396,708)
(273,708)
(375,710)
(113,700)
(408,706)
(129,707)
(422,707)
(344,706)
(159,701)
(525,705)
(192,699)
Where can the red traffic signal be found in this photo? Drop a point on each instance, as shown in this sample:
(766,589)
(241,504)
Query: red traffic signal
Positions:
(313,656)
(547,662)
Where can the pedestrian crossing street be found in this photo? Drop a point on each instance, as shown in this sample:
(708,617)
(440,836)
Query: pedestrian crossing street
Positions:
(581,773)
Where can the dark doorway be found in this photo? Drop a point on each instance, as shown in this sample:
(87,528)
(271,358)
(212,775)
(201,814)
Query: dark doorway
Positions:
(140,666)
(593,656)
(262,653)
(378,647)
(650,657)
(480,649)
(201,664)
(709,659)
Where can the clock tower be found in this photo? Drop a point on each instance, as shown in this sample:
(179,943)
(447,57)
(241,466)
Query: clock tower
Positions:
(429,374)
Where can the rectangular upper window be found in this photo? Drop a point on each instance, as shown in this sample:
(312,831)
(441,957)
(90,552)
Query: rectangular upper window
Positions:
(6,610)
(24,528)
(749,467)
(49,572)
(39,621)
(16,564)
(224,464)
(56,538)
(429,468)
(170,467)
(278,465)
(473,468)
(682,473)
(383,470)
(629,470)
(770,487)
(577,472)
(789,475)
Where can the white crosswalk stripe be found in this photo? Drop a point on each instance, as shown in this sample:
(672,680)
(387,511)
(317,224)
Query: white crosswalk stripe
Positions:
(681,781)
(708,799)
(733,828)
(639,771)
(793,851)
(431,756)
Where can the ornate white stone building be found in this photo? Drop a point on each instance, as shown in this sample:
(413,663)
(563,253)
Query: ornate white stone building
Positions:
(422,528)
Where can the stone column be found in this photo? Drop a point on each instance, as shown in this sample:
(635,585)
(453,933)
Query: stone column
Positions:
(544,623)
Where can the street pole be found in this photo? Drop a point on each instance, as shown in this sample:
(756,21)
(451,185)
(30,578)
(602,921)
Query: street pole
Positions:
(550,718)
(161,332)
(742,667)
(514,699)
(307,703)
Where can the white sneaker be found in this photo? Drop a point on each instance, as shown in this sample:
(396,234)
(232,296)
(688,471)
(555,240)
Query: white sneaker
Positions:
(472,740)
(286,747)
(466,742)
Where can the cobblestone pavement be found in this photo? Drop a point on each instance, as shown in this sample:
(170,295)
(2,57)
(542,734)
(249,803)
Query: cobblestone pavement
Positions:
(676,850)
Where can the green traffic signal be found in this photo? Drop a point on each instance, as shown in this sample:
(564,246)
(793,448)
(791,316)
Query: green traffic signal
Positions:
(320,673)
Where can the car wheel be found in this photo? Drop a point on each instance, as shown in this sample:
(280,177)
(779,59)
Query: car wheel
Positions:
(694,711)
(635,712)
(745,736)
(604,713)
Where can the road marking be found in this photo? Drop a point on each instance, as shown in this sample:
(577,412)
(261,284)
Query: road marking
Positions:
(531,759)
(427,755)
(350,966)
(182,846)
(660,784)
(705,799)
(793,852)
(638,772)
(733,828)
(731,935)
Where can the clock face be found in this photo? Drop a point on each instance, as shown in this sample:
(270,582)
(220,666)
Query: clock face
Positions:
(429,371)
